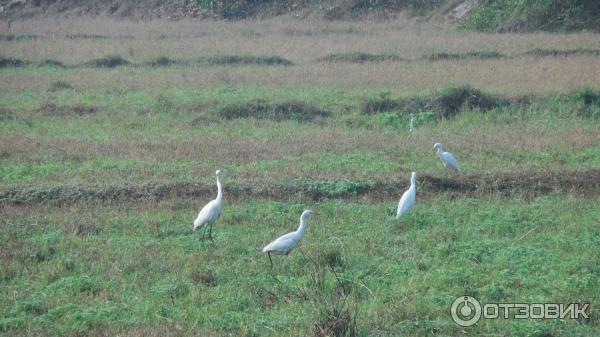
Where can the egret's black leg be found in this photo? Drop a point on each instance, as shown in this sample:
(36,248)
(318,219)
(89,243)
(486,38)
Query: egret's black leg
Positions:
(272,272)
(203,233)
(270,260)
(210,233)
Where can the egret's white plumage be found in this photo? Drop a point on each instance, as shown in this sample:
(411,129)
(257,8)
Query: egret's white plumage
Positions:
(412,122)
(407,201)
(446,157)
(285,243)
(211,211)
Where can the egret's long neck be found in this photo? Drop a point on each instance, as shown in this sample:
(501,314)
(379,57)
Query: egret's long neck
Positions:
(439,151)
(303,223)
(219,191)
(413,181)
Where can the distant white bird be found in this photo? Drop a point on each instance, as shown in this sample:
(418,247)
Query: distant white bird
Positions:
(211,212)
(284,244)
(407,201)
(412,122)
(446,157)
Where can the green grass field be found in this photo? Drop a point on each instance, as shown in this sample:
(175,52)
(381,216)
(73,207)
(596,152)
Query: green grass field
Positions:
(103,170)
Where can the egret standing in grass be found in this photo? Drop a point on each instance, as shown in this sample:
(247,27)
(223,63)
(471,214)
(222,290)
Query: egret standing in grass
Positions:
(412,122)
(446,157)
(284,244)
(407,201)
(211,212)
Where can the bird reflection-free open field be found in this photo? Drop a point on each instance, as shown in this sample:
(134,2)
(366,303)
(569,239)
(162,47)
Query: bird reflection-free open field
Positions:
(111,131)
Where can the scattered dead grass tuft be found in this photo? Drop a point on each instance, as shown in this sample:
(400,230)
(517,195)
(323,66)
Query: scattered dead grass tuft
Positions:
(8,62)
(107,62)
(51,109)
(59,85)
(360,57)
(483,55)
(162,61)
(563,52)
(247,59)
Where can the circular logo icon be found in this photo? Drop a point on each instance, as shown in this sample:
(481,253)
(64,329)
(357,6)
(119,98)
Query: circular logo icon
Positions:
(465,311)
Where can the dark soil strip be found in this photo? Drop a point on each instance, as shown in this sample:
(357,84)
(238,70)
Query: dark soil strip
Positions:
(528,184)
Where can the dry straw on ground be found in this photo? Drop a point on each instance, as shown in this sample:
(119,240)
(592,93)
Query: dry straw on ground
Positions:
(303,43)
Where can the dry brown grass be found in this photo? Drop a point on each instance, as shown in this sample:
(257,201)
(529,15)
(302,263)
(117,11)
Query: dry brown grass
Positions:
(495,144)
(508,76)
(303,42)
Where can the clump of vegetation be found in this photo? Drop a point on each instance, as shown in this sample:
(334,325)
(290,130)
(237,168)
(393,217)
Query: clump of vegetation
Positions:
(164,104)
(587,103)
(384,8)
(359,57)
(563,53)
(332,258)
(6,114)
(14,37)
(162,61)
(332,189)
(108,62)
(51,109)
(449,101)
(247,59)
(379,104)
(528,15)
(484,55)
(333,299)
(207,277)
(83,110)
(336,320)
(261,109)
(8,62)
(228,9)
(82,228)
(445,103)
(51,63)
(234,10)
(85,36)
(59,85)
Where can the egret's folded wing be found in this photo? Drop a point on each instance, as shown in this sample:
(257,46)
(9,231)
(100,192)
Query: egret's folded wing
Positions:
(282,244)
(207,213)
(451,161)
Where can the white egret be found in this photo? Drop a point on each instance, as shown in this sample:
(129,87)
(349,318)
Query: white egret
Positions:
(407,201)
(446,157)
(412,122)
(211,212)
(284,244)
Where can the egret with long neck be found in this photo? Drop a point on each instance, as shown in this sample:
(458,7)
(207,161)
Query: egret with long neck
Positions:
(211,212)
(407,201)
(446,157)
(284,244)
(411,126)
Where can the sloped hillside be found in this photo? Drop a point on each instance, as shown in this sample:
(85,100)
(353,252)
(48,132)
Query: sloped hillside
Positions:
(529,15)
(482,15)
(132,9)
